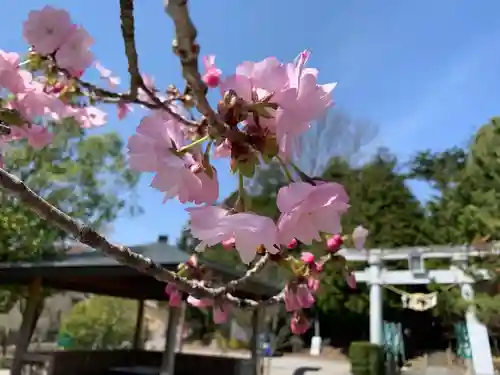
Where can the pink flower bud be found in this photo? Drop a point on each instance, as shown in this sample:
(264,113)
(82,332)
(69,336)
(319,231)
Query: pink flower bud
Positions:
(334,243)
(307,257)
(350,279)
(211,79)
(228,244)
(212,74)
(313,284)
(174,295)
(293,244)
(192,261)
(299,323)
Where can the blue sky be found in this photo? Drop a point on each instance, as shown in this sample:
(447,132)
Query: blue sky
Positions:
(425,72)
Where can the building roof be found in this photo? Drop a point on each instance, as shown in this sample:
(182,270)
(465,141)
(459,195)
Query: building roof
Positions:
(93,272)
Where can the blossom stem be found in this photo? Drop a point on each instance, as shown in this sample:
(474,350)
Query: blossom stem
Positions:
(26,62)
(303,176)
(242,194)
(195,143)
(285,168)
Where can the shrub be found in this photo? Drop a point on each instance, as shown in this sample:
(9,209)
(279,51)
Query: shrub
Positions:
(100,323)
(366,358)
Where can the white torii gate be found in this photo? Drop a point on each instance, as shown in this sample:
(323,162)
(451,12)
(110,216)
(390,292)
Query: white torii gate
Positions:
(375,275)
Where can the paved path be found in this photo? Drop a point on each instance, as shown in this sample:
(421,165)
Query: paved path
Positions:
(288,365)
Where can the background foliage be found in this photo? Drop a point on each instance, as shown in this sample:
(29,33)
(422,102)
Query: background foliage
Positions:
(84,175)
(100,322)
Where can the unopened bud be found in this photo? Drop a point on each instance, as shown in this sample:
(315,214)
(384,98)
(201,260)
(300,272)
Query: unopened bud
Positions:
(334,243)
(261,250)
(192,261)
(228,244)
(293,244)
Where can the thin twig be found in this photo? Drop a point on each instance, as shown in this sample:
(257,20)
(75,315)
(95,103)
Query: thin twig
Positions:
(110,96)
(165,105)
(128,34)
(4,129)
(188,50)
(233,284)
(124,255)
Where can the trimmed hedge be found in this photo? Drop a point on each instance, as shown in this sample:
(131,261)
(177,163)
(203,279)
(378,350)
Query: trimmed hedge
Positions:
(366,358)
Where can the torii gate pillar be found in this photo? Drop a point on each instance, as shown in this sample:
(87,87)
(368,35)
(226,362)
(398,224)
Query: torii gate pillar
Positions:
(376,317)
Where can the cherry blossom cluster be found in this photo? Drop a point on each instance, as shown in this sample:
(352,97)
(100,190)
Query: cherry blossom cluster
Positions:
(264,108)
(41,89)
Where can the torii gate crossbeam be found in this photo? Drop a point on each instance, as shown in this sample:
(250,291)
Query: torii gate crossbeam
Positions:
(376,276)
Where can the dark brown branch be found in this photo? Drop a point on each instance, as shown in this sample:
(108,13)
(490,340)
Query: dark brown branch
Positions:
(124,255)
(110,96)
(128,34)
(4,129)
(188,50)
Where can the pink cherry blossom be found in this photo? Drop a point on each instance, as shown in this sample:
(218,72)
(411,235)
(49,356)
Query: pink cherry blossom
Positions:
(123,110)
(220,310)
(359,235)
(307,210)
(255,80)
(223,150)
(150,150)
(149,82)
(74,54)
(350,279)
(90,117)
(31,105)
(299,324)
(200,303)
(313,284)
(37,136)
(189,186)
(174,294)
(213,225)
(294,88)
(298,296)
(11,77)
(212,74)
(313,100)
(151,147)
(107,75)
(47,29)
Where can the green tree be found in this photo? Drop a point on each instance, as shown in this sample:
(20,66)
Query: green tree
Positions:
(84,175)
(465,208)
(100,322)
(382,203)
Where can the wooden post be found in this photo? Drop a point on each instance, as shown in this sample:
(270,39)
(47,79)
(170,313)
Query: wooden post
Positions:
(31,314)
(168,359)
(254,343)
(180,330)
(137,343)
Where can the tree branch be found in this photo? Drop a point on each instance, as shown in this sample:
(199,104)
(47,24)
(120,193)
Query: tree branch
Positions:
(4,129)
(188,50)
(124,255)
(115,97)
(128,34)
(233,284)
